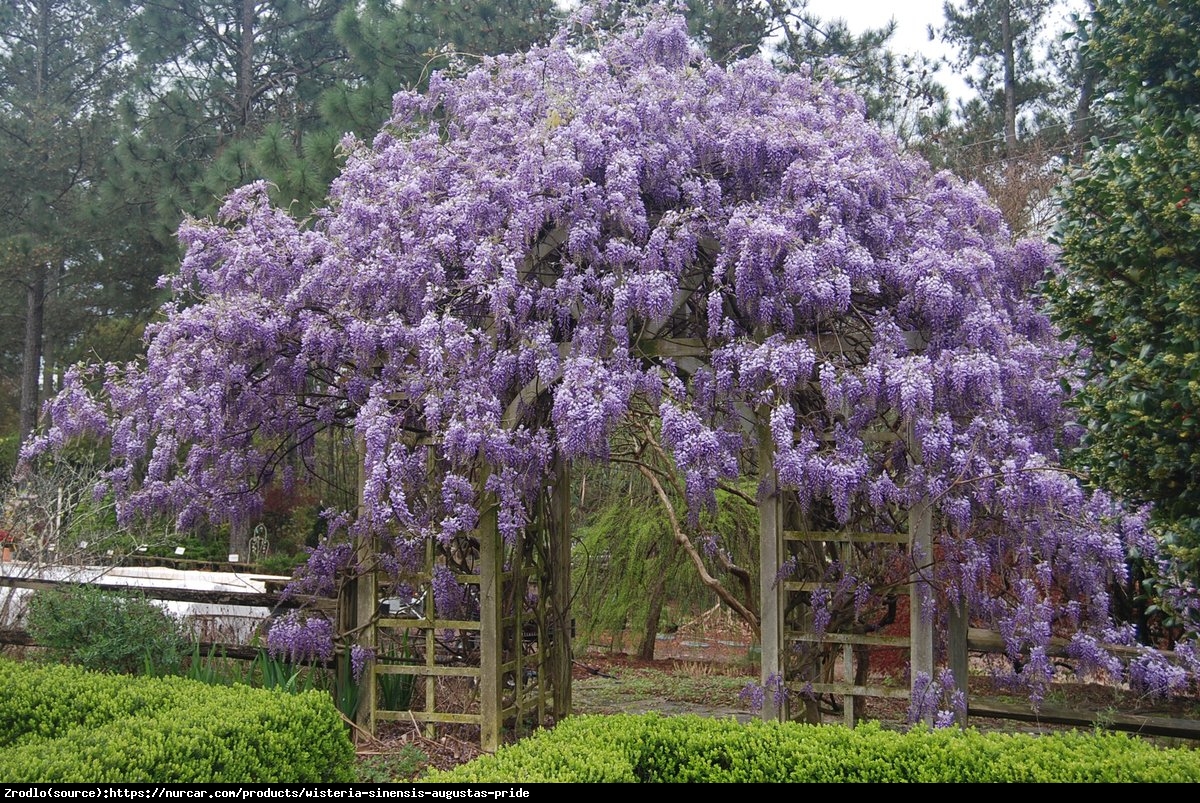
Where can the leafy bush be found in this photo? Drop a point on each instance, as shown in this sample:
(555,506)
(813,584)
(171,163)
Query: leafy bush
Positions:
(106,630)
(653,749)
(383,768)
(66,724)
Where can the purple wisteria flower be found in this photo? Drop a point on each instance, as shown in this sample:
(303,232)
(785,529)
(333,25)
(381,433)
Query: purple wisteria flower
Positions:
(450,598)
(297,638)
(359,658)
(937,700)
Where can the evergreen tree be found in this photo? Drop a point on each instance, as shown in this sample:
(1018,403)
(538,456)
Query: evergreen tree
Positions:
(998,38)
(1129,292)
(1032,104)
(227,93)
(394,47)
(62,62)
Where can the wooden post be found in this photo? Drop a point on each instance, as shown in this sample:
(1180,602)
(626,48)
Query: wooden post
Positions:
(920,552)
(490,643)
(430,636)
(560,589)
(849,701)
(366,605)
(770,555)
(920,597)
(957,646)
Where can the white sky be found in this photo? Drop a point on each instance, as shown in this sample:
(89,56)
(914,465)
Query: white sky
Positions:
(912,20)
(912,16)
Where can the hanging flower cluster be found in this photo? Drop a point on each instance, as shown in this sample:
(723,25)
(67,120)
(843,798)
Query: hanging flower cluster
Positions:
(497,276)
(299,639)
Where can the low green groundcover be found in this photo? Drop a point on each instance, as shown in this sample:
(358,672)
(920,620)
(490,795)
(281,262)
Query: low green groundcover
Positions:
(650,748)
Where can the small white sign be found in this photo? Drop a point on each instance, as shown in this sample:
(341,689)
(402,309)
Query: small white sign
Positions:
(180,550)
(83,544)
(233,557)
(141,548)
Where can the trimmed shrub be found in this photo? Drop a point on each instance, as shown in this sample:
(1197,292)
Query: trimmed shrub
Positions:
(66,724)
(105,629)
(649,748)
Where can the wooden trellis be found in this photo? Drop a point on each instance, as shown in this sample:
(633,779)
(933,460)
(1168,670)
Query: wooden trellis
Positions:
(505,666)
(521,669)
(841,677)
(836,658)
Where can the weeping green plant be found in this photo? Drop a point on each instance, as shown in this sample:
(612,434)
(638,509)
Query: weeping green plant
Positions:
(630,572)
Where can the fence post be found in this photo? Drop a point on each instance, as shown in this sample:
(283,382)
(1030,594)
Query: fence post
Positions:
(560,597)
(957,647)
(769,592)
(366,605)
(491,578)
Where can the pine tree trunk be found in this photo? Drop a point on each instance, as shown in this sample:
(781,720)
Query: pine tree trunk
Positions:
(245,74)
(53,288)
(35,295)
(1010,80)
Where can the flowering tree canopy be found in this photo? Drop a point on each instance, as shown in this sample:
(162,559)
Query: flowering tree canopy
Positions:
(530,247)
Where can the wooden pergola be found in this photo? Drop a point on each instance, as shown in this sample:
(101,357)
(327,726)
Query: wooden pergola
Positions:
(511,668)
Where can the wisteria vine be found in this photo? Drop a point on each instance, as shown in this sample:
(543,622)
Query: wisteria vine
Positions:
(493,278)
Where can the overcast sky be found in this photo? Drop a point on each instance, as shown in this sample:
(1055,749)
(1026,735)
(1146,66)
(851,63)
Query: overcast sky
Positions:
(913,18)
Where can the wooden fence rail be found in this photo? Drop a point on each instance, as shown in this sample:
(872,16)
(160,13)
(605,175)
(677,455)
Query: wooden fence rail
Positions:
(273,601)
(991,643)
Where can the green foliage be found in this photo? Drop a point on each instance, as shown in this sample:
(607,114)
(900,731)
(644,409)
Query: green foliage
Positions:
(262,671)
(687,749)
(215,669)
(277,674)
(9,446)
(345,690)
(395,690)
(401,765)
(1129,291)
(621,555)
(1147,56)
(105,629)
(64,724)
(1130,296)
(627,562)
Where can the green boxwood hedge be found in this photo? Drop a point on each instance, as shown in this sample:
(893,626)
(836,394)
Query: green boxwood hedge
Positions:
(66,724)
(653,749)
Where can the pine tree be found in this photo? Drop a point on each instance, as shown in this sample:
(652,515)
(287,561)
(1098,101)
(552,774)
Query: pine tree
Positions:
(60,69)
(1031,107)
(394,47)
(227,92)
